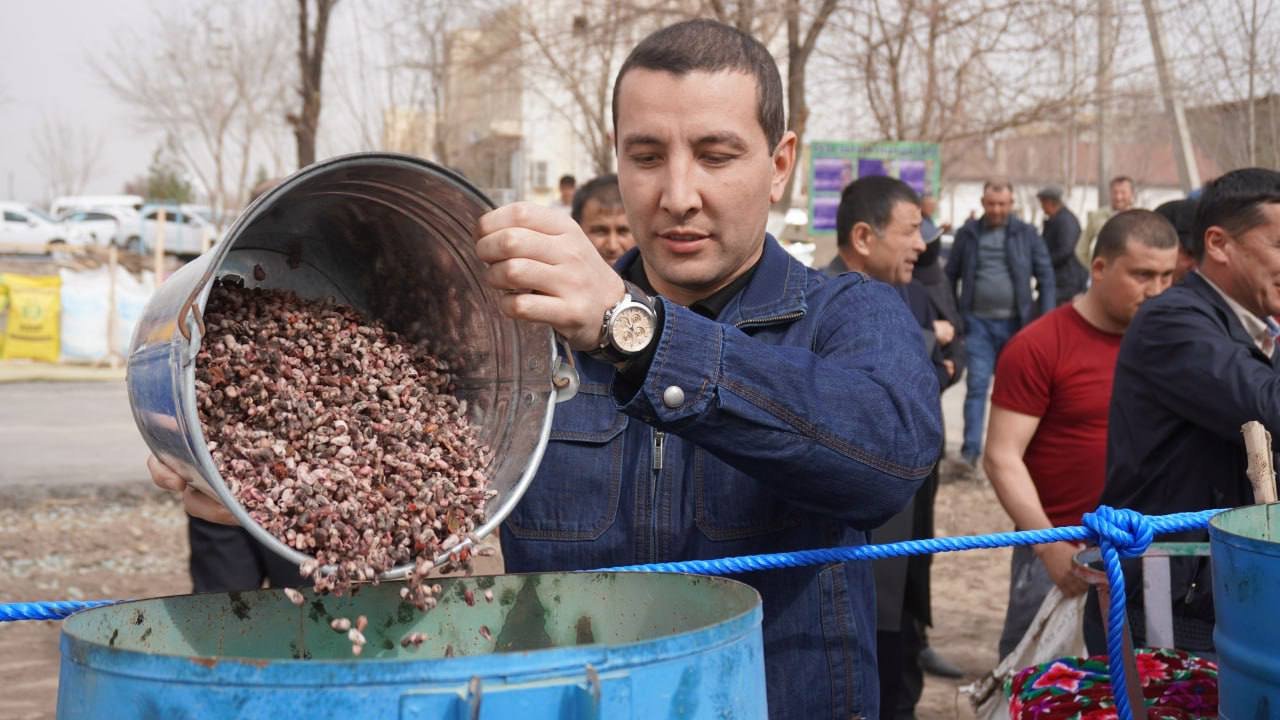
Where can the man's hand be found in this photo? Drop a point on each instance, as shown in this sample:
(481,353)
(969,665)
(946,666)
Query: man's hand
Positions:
(944,331)
(195,502)
(950,367)
(550,270)
(1059,560)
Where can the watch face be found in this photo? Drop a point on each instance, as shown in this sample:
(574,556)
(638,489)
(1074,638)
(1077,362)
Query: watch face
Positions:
(632,329)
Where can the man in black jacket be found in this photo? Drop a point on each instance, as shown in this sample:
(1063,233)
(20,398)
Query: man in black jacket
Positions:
(1197,363)
(1061,231)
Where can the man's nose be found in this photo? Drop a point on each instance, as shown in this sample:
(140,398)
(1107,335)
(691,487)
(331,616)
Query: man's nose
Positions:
(680,197)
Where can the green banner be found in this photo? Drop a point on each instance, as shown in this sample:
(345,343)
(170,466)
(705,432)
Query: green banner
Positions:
(835,164)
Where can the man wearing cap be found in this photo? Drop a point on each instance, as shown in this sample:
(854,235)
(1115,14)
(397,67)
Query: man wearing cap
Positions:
(1061,231)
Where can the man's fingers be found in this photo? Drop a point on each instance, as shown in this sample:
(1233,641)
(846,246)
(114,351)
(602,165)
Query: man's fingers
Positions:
(164,477)
(197,504)
(518,242)
(532,307)
(524,215)
(523,274)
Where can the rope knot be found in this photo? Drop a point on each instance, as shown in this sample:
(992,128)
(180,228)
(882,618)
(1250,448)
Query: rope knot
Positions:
(1128,531)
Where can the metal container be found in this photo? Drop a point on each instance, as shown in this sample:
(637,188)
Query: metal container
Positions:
(391,236)
(1245,547)
(571,645)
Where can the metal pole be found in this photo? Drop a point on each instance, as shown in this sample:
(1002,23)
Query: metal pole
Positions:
(1188,173)
(157,250)
(1104,100)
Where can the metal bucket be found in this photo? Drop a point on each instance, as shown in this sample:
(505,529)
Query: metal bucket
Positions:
(570,645)
(389,235)
(1245,547)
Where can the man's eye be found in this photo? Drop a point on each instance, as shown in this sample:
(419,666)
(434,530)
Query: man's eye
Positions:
(716,159)
(645,159)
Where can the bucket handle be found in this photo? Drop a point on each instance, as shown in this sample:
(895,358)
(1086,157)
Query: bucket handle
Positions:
(565,379)
(189,306)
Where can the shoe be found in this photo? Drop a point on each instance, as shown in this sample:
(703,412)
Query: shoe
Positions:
(934,664)
(970,459)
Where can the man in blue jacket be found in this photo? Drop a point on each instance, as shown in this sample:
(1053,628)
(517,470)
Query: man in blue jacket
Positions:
(991,266)
(733,401)
(1198,362)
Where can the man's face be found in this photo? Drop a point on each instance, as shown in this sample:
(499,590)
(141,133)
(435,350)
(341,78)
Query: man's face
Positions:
(697,176)
(566,194)
(928,205)
(890,255)
(1138,274)
(607,229)
(1049,206)
(996,206)
(1121,196)
(1253,263)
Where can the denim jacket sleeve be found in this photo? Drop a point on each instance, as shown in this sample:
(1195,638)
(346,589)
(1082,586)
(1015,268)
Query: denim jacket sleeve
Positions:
(846,425)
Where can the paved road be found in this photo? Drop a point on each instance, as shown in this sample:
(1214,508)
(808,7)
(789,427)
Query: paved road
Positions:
(60,435)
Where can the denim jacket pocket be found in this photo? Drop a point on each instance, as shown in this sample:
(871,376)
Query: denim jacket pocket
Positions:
(587,437)
(732,506)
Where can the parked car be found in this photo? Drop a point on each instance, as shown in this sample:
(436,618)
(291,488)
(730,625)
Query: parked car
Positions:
(25,229)
(185,230)
(62,207)
(100,226)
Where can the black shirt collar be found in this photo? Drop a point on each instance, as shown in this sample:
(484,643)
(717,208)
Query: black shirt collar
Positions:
(709,307)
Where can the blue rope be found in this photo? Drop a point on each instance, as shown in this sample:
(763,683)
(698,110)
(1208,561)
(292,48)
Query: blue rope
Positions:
(1118,532)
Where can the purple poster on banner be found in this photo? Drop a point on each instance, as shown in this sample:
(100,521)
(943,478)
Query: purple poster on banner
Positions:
(831,174)
(912,172)
(871,166)
(824,213)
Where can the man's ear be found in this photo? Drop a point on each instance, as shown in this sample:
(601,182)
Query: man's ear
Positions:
(1215,243)
(861,237)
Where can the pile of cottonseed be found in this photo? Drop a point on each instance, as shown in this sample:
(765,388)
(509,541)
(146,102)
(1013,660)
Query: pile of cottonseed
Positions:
(339,437)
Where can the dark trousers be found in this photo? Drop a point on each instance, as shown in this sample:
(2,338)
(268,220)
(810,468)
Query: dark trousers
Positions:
(226,558)
(898,660)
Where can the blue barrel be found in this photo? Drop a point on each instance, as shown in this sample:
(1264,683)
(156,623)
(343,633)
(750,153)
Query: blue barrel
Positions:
(1246,596)
(573,645)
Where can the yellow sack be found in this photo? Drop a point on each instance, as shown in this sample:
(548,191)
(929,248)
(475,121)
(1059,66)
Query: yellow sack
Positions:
(32,328)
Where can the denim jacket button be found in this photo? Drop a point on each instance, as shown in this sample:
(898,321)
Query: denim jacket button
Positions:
(673,397)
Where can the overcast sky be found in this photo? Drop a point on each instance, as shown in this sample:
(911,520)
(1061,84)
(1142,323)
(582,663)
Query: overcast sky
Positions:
(45,72)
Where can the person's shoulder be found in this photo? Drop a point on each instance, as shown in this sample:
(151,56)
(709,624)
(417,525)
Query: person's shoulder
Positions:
(1182,308)
(1045,332)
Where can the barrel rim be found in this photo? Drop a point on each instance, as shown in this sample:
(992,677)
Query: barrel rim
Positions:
(603,657)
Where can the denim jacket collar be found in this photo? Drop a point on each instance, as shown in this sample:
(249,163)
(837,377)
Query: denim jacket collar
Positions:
(776,293)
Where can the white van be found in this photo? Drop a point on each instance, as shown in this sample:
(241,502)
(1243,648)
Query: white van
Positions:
(64,206)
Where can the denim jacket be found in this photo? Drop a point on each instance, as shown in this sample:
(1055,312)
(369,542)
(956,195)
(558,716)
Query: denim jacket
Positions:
(810,415)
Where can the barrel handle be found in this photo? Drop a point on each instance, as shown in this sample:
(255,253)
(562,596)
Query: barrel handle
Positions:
(190,305)
(565,379)
(475,694)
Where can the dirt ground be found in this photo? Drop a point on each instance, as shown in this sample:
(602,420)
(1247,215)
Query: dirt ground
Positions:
(89,548)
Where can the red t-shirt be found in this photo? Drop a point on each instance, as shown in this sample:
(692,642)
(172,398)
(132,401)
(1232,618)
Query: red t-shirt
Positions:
(1060,369)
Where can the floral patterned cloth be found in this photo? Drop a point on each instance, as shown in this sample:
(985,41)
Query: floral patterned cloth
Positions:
(1176,685)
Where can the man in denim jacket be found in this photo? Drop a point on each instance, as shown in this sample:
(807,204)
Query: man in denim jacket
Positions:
(769,410)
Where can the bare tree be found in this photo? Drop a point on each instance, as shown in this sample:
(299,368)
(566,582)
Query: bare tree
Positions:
(67,157)
(801,42)
(208,78)
(312,37)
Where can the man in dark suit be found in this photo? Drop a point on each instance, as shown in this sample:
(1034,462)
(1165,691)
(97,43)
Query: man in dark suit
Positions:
(1061,231)
(1197,363)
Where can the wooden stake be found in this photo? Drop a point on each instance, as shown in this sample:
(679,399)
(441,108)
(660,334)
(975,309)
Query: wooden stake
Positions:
(1261,472)
(112,267)
(157,250)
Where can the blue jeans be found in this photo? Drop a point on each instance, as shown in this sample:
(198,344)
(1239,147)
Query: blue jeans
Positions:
(983,339)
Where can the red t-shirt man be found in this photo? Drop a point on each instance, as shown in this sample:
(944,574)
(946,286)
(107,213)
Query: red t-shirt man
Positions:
(1060,369)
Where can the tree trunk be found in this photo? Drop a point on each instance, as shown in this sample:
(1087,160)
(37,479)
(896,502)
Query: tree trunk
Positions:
(799,48)
(306,123)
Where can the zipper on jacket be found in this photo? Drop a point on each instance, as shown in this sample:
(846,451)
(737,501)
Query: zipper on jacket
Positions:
(769,320)
(659,438)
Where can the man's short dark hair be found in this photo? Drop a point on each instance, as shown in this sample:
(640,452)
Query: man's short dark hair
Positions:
(870,200)
(1234,203)
(603,189)
(568,181)
(1144,226)
(1182,215)
(710,46)
(997,184)
(1123,179)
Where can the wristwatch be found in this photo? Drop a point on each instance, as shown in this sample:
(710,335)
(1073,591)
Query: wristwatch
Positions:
(627,328)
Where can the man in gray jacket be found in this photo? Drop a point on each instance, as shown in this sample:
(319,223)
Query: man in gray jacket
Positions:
(991,266)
